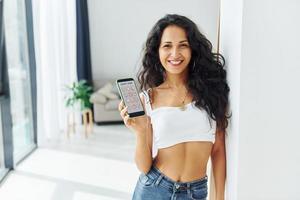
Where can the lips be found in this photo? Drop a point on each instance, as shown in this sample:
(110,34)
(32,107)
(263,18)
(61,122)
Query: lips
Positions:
(175,62)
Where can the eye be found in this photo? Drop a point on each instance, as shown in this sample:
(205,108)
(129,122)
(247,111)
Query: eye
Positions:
(184,45)
(166,46)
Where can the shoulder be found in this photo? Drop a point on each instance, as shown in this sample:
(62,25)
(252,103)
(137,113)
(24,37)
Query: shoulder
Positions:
(145,96)
(142,97)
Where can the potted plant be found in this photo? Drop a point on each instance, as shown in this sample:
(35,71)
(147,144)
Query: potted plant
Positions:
(80,93)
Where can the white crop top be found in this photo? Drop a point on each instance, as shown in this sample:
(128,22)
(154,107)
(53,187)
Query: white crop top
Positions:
(172,126)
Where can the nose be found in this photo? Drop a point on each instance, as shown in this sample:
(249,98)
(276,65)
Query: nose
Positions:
(175,52)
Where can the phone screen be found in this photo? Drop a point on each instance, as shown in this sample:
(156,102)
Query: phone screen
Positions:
(130,97)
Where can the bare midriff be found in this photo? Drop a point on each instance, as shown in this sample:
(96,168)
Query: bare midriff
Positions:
(184,162)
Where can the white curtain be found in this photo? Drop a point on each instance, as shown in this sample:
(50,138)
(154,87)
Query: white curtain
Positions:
(55,48)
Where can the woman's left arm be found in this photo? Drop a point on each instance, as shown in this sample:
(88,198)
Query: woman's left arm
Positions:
(218,158)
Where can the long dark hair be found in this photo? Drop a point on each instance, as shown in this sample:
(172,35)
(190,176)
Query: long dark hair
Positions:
(206,78)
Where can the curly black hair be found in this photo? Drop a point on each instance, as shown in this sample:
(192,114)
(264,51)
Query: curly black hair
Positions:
(206,77)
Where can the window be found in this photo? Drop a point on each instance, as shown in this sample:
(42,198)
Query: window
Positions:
(17,100)
(2,165)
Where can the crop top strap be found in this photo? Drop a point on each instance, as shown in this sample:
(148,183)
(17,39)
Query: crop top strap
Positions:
(147,101)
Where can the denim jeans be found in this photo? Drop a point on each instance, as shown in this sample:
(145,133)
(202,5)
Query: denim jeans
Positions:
(156,186)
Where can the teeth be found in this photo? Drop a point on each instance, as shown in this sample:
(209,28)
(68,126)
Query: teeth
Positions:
(175,62)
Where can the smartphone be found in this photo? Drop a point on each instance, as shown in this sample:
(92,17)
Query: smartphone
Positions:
(130,97)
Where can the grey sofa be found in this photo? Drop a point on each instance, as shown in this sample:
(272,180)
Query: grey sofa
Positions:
(105,103)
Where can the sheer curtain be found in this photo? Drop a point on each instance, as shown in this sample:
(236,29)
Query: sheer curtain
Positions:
(55,47)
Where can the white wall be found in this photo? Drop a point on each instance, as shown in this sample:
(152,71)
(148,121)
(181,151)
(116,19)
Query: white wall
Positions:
(267,121)
(118,30)
(230,47)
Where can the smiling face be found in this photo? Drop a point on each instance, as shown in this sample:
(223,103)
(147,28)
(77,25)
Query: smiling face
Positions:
(174,50)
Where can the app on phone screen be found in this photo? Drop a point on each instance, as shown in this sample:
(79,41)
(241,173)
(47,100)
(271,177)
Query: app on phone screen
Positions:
(131,97)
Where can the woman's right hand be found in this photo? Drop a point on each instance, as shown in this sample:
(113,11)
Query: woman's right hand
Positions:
(138,124)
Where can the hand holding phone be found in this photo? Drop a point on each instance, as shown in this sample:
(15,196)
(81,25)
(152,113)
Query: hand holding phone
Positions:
(130,97)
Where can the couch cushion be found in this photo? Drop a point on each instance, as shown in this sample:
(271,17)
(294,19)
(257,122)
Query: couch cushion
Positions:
(115,90)
(106,90)
(112,104)
(98,98)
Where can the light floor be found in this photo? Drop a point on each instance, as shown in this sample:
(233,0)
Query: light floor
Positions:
(98,168)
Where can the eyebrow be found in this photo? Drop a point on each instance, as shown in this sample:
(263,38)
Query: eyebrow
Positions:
(168,42)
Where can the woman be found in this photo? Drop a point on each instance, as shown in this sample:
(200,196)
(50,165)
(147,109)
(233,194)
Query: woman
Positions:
(186,98)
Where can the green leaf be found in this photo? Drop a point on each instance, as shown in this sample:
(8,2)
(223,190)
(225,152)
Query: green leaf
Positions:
(79,92)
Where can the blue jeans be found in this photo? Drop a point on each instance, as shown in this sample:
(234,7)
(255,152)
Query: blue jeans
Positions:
(156,186)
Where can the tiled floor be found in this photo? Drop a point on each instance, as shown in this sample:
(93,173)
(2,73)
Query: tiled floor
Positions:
(98,168)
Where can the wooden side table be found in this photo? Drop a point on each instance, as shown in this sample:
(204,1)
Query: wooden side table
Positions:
(87,116)
(71,125)
(87,121)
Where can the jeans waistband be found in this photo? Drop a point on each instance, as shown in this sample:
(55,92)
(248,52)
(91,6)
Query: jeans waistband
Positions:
(165,181)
